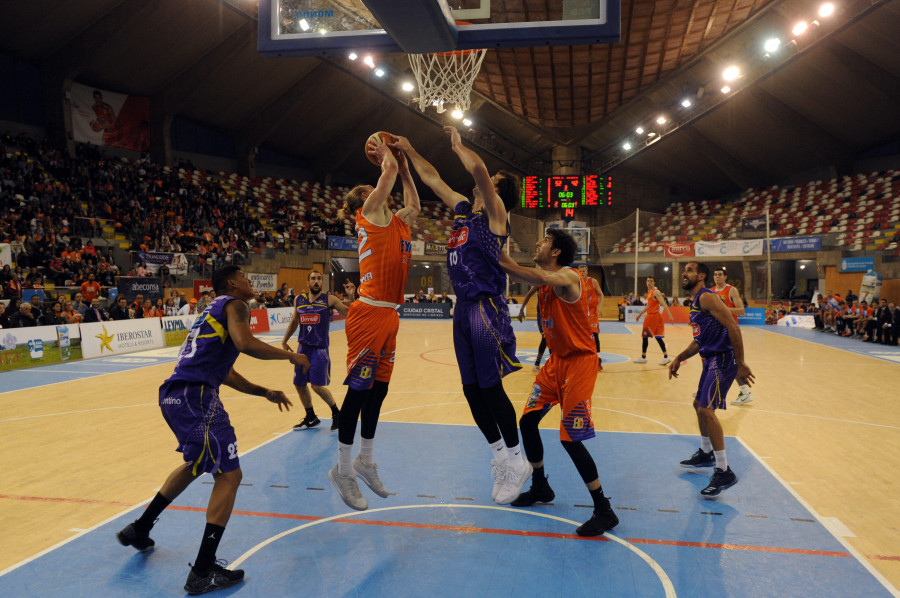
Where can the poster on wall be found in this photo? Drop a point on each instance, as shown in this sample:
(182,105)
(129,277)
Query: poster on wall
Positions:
(110,119)
(263,282)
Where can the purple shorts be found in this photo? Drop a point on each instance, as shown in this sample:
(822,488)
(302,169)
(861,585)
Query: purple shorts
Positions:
(319,373)
(719,371)
(484,341)
(197,417)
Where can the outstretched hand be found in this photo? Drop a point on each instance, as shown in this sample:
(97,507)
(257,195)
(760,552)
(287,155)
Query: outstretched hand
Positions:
(280,399)
(455,139)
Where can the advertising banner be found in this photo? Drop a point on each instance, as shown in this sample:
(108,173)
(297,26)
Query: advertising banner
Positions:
(753,316)
(343,243)
(177,262)
(132,286)
(631,313)
(728,248)
(783,244)
(679,249)
(176,328)
(201,286)
(267,283)
(279,317)
(112,119)
(5,255)
(857,264)
(752,225)
(38,345)
(418,247)
(798,321)
(435,248)
(99,339)
(259,321)
(515,308)
(430,311)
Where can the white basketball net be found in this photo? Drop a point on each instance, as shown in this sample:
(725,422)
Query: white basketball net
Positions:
(446,79)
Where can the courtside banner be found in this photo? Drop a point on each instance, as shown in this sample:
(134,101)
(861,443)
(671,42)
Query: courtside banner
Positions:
(343,243)
(279,317)
(679,249)
(728,248)
(263,282)
(100,339)
(132,286)
(176,328)
(798,321)
(38,345)
(429,311)
(753,316)
(259,320)
(201,286)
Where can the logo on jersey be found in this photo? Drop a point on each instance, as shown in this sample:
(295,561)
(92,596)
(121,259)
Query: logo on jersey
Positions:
(695,328)
(458,237)
(533,397)
(365,372)
(309,318)
(405,246)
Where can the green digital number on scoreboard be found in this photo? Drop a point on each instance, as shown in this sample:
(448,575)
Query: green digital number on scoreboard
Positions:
(568,193)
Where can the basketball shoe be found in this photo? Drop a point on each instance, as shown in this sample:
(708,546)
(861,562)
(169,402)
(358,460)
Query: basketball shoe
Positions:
(347,488)
(513,483)
(216,577)
(498,472)
(700,459)
(641,359)
(603,519)
(368,473)
(308,422)
(129,536)
(720,480)
(743,398)
(540,492)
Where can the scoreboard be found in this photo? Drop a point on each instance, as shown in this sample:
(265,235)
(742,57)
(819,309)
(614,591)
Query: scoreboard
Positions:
(568,193)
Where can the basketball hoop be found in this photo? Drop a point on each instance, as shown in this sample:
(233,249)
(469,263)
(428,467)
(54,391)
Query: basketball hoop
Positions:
(446,78)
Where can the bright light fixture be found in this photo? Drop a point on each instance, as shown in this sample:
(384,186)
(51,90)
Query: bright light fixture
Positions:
(661,120)
(457,114)
(800,28)
(353,56)
(639,130)
(323,31)
(369,61)
(626,146)
(731,73)
(726,89)
(826,10)
(772,45)
(686,103)
(467,122)
(379,72)
(665,268)
(408,86)
(304,25)
(651,134)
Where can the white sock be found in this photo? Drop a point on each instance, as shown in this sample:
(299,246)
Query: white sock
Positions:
(498,451)
(345,459)
(745,389)
(705,444)
(514,454)
(721,460)
(366,446)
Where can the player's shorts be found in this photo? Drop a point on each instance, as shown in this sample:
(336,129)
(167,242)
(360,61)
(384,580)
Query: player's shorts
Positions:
(484,341)
(595,327)
(653,325)
(197,417)
(568,381)
(319,373)
(371,344)
(719,371)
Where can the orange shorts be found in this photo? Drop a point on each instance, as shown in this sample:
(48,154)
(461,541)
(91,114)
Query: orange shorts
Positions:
(371,344)
(653,325)
(569,382)
(595,327)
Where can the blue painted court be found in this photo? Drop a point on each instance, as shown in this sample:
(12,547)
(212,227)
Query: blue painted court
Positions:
(439,534)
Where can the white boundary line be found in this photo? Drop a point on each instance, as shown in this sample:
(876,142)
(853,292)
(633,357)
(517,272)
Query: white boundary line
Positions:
(797,338)
(667,585)
(822,521)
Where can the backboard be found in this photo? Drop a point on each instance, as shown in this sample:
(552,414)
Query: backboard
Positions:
(335,27)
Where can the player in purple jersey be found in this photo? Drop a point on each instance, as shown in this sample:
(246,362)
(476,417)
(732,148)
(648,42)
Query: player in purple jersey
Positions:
(190,404)
(718,340)
(482,333)
(312,313)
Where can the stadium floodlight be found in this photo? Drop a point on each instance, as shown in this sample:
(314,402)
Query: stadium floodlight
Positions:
(639,130)
(800,28)
(686,102)
(379,72)
(467,122)
(772,44)
(353,56)
(661,120)
(626,146)
(408,86)
(457,114)
(731,73)
(726,89)
(826,10)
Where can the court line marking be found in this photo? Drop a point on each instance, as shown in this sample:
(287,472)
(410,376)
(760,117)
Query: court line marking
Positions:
(667,585)
(797,338)
(843,541)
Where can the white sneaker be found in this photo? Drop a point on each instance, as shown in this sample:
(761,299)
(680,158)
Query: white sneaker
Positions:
(347,488)
(742,399)
(498,472)
(368,473)
(535,368)
(665,361)
(641,360)
(513,482)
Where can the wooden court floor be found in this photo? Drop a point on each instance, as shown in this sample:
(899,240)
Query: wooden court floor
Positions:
(825,420)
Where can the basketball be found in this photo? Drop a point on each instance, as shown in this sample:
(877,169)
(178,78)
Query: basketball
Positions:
(379,138)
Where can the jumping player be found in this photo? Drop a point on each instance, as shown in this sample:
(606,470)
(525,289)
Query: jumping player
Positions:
(190,404)
(718,340)
(567,379)
(735,305)
(483,338)
(595,304)
(312,313)
(653,323)
(385,253)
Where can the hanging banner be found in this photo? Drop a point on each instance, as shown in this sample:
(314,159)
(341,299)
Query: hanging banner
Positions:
(177,262)
(263,282)
(201,286)
(857,264)
(679,249)
(783,244)
(435,248)
(100,339)
(38,345)
(728,248)
(418,247)
(110,119)
(753,225)
(132,286)
(343,243)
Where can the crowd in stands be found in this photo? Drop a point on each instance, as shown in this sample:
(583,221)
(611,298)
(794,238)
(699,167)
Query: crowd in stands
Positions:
(430,297)
(875,321)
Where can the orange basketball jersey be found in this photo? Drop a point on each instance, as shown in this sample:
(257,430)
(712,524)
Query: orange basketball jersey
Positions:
(566,325)
(385,253)
(725,294)
(652,302)
(592,301)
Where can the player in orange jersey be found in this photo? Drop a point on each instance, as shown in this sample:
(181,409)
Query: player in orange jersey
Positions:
(735,305)
(595,304)
(385,253)
(653,323)
(567,379)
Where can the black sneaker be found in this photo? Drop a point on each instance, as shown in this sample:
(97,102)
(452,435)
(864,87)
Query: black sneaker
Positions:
(308,422)
(535,495)
(720,480)
(335,419)
(129,536)
(700,459)
(217,577)
(599,523)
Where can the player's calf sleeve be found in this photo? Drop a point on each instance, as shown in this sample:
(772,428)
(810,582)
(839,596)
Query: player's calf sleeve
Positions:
(371,409)
(481,413)
(531,437)
(582,459)
(350,410)
(662,345)
(503,412)
(644,342)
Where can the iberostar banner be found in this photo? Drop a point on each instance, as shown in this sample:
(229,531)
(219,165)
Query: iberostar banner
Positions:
(105,118)
(101,339)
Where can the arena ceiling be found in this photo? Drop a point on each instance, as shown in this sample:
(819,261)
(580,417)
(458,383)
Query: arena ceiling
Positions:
(831,97)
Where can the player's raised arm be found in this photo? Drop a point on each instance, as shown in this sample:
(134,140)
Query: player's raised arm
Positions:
(411,207)
(428,173)
(474,165)
(375,205)
(566,282)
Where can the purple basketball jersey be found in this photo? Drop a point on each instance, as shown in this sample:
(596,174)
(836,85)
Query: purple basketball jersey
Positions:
(709,333)
(473,254)
(314,317)
(208,353)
